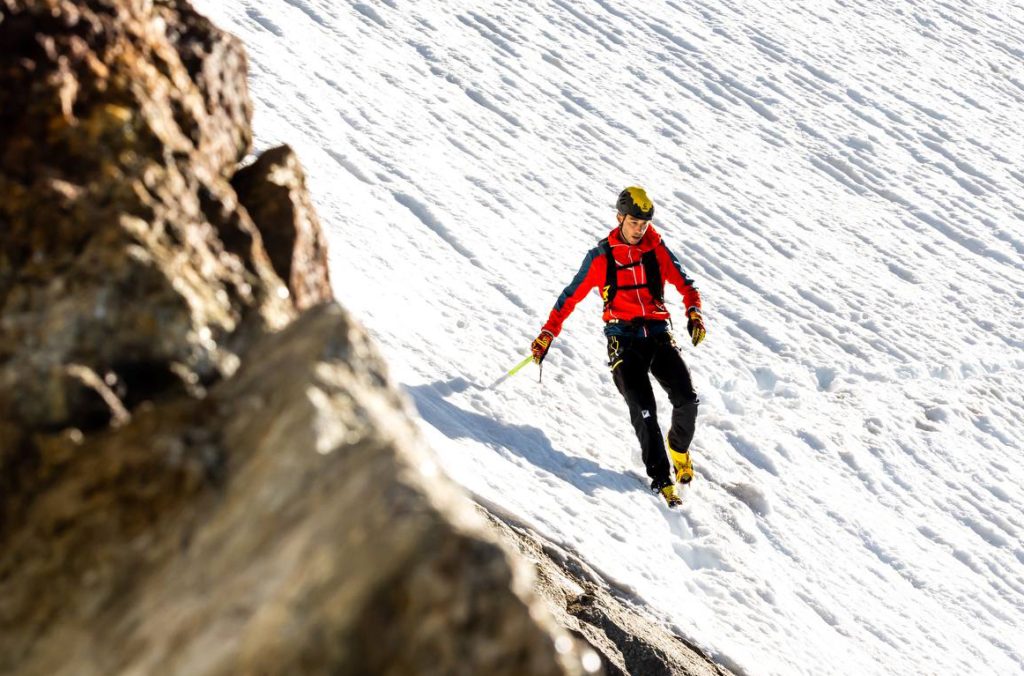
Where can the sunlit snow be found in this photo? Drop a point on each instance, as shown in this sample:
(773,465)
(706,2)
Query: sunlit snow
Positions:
(845,183)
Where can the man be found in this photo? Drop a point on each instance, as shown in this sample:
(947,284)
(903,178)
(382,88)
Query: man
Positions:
(631,266)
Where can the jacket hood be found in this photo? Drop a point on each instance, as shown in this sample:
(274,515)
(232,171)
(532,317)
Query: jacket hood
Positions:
(648,242)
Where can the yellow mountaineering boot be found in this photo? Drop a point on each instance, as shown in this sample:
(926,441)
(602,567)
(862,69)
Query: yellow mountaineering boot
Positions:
(681,464)
(671,495)
(666,489)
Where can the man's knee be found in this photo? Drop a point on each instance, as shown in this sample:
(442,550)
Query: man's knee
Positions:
(685,400)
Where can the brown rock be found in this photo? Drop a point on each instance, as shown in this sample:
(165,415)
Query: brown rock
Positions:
(294,523)
(190,483)
(122,122)
(273,191)
(626,637)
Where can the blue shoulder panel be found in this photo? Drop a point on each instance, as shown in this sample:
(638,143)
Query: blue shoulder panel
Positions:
(578,279)
(679,268)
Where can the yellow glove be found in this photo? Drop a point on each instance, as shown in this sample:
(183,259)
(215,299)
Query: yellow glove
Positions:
(695,326)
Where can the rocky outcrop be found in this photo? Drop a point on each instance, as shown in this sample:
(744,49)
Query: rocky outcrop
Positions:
(204,469)
(627,638)
(273,191)
(122,122)
(292,521)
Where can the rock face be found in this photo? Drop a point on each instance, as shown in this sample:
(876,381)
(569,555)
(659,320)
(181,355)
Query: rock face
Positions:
(284,524)
(625,637)
(203,468)
(122,123)
(273,191)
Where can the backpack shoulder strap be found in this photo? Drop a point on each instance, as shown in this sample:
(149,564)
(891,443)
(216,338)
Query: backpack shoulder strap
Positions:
(611,279)
(652,271)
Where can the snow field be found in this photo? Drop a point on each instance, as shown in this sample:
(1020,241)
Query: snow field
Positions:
(843,182)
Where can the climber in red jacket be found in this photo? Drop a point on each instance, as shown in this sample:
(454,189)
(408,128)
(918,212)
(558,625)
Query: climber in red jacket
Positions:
(631,266)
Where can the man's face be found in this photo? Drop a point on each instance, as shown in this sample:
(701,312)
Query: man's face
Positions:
(633,228)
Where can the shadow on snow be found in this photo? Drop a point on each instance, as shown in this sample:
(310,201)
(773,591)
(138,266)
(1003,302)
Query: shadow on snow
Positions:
(529,443)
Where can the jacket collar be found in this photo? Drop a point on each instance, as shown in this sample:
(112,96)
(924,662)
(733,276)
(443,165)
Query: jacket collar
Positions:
(648,242)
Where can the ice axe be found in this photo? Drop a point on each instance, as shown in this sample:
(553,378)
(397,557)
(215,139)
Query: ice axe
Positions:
(516,369)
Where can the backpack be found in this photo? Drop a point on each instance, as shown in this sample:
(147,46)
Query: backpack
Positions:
(652,272)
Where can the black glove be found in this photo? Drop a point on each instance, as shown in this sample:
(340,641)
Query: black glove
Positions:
(540,345)
(695,326)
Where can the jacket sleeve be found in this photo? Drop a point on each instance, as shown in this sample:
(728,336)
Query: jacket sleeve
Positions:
(591,274)
(674,273)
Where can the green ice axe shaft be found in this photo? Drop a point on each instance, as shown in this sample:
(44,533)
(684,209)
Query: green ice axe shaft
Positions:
(515,369)
(519,366)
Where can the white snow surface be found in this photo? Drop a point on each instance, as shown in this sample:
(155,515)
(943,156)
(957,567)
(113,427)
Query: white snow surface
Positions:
(845,183)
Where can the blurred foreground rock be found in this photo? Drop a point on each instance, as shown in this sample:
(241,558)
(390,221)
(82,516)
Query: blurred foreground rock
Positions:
(203,468)
(122,123)
(290,522)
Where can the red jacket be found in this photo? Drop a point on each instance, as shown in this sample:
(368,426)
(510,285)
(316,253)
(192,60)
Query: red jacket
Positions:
(629,304)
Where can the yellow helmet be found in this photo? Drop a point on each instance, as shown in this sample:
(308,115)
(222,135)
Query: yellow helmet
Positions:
(633,201)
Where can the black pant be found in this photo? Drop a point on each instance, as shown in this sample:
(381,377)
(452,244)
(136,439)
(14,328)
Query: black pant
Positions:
(631,360)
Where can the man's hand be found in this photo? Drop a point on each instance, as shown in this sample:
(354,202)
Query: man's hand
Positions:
(540,345)
(695,326)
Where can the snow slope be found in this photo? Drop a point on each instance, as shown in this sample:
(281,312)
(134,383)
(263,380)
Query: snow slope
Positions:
(845,182)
